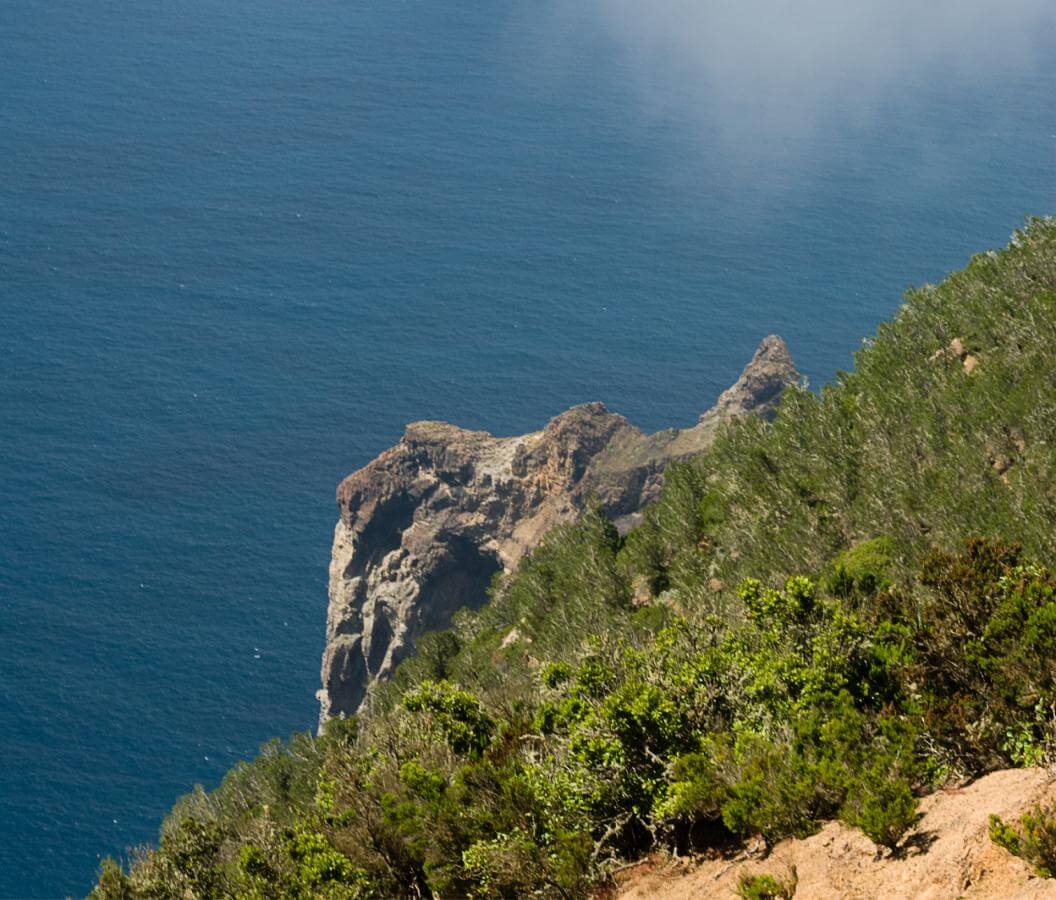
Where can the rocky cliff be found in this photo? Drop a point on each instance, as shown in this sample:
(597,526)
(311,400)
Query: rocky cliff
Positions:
(425,526)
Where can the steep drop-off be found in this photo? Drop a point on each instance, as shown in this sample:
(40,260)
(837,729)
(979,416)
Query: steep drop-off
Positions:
(824,627)
(425,526)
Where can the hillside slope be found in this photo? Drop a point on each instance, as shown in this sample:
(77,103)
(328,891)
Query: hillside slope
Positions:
(827,617)
(947,855)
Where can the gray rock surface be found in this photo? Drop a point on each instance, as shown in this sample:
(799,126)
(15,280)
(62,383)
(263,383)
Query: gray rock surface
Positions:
(425,526)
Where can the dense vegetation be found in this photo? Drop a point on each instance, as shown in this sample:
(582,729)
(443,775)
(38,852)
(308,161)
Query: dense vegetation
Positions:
(822,617)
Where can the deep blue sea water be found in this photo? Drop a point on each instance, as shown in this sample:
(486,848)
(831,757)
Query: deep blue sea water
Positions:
(241,244)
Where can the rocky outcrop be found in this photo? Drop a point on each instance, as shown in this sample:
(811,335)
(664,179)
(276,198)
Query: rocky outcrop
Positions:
(425,526)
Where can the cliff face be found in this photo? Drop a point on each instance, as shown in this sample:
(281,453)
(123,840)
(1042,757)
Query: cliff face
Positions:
(425,526)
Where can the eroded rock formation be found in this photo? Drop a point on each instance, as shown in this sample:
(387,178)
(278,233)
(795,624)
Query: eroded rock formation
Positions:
(425,526)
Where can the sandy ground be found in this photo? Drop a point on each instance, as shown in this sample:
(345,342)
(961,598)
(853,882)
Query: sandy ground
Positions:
(948,855)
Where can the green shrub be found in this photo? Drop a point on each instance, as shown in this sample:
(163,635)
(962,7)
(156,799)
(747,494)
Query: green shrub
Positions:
(767,887)
(458,713)
(322,869)
(696,790)
(984,630)
(775,793)
(882,805)
(1032,838)
(113,883)
(865,567)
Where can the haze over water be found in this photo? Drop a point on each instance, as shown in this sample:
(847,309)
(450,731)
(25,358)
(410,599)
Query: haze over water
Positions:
(241,244)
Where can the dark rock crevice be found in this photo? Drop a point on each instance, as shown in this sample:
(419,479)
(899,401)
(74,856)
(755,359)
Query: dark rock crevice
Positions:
(382,532)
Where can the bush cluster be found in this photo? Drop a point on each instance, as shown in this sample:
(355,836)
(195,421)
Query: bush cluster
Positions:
(808,705)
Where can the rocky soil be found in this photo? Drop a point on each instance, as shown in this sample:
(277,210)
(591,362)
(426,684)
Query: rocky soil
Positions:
(948,855)
(425,526)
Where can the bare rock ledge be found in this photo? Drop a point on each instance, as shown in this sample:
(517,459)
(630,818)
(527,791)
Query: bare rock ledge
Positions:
(425,526)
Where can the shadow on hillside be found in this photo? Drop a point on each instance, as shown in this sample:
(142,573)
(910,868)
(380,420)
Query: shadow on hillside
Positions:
(917,844)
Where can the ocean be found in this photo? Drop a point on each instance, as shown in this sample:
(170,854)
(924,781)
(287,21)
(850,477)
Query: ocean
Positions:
(242,244)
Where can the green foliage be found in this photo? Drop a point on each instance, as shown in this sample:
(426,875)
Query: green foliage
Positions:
(672,546)
(187,864)
(513,865)
(458,713)
(767,887)
(677,688)
(434,658)
(909,445)
(984,635)
(882,805)
(865,568)
(113,883)
(321,870)
(1005,836)
(555,674)
(1032,837)
(774,793)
